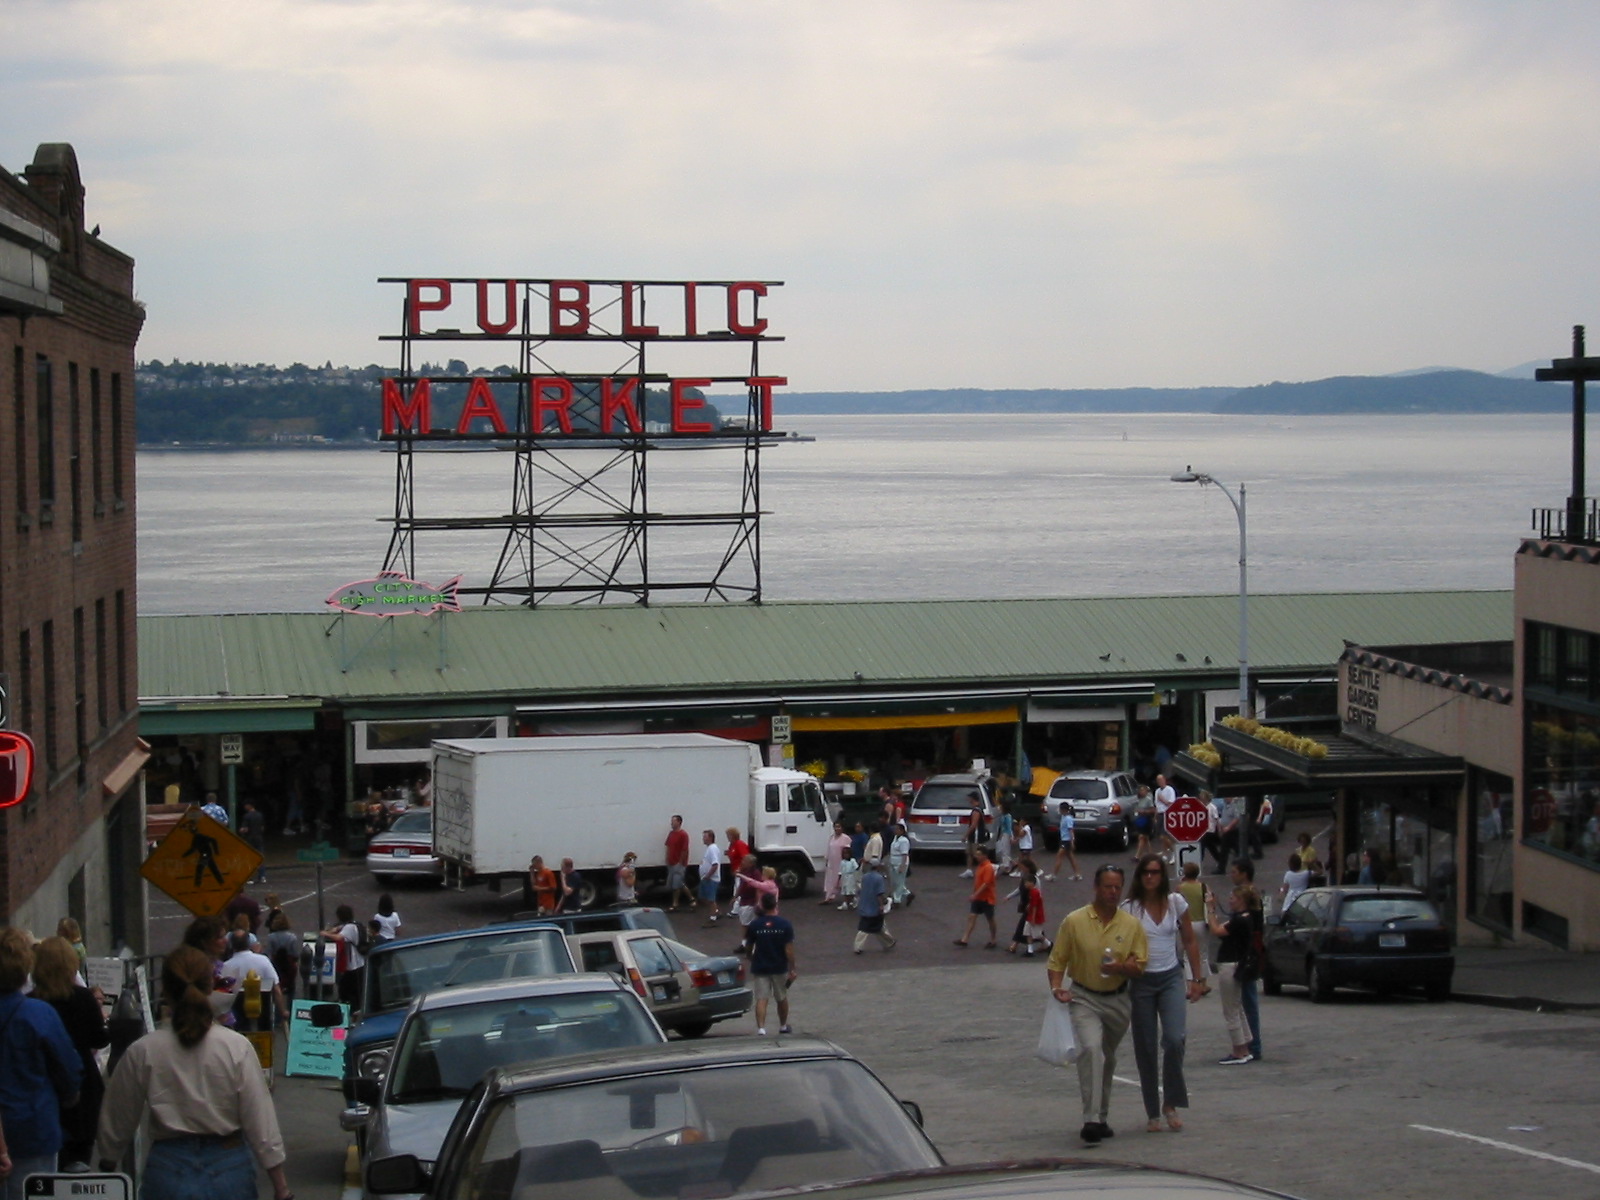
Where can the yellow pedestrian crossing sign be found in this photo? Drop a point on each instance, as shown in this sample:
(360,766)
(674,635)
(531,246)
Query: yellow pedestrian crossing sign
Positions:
(201,864)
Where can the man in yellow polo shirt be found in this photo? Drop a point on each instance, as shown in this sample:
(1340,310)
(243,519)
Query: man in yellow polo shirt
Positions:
(1098,949)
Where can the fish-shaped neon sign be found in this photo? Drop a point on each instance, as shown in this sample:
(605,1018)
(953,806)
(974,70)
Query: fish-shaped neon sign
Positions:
(393,594)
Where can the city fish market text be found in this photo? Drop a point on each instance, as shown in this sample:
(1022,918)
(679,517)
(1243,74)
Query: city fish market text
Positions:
(393,594)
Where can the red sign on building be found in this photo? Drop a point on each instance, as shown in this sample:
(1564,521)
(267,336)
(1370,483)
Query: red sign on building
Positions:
(16,767)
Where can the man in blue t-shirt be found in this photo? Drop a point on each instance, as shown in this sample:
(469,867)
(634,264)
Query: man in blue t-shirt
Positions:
(770,940)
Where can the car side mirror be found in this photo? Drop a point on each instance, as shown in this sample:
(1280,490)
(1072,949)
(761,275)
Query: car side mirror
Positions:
(913,1110)
(398,1175)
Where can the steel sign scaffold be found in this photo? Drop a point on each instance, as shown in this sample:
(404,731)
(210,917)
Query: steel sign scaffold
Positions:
(581,416)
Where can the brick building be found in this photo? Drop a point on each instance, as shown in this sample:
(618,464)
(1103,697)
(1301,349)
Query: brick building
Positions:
(68,657)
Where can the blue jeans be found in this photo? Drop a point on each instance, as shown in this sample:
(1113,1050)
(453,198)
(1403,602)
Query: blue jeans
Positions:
(199,1168)
(21,1168)
(1252,1013)
(1159,997)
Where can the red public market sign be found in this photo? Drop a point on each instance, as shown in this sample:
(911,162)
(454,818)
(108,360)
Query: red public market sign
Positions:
(16,767)
(1187,820)
(570,311)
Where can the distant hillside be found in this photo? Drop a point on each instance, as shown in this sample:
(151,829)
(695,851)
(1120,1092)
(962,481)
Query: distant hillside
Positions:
(221,404)
(1437,392)
(980,400)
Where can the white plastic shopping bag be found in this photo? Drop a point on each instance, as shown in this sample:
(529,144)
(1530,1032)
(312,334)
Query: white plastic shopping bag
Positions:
(1057,1045)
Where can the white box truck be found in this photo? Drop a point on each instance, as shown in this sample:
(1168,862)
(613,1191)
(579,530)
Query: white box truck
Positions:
(499,801)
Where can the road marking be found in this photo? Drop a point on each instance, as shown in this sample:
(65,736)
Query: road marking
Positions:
(326,888)
(1515,1149)
(1129,1082)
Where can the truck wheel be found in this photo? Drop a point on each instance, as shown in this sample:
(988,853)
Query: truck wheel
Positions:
(588,891)
(791,880)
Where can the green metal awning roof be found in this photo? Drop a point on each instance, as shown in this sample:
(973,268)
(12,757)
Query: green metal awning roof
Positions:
(505,655)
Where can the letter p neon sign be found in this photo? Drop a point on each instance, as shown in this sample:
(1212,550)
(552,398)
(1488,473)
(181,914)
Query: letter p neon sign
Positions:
(16,767)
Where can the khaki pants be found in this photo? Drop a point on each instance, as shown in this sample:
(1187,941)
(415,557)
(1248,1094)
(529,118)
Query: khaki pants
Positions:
(1098,1023)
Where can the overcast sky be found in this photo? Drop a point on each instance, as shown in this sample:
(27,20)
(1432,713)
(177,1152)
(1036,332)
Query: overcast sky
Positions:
(956,192)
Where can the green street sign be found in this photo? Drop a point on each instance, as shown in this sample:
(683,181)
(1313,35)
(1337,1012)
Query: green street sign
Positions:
(319,852)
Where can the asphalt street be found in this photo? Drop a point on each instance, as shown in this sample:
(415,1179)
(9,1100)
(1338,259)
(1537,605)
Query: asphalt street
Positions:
(1367,1095)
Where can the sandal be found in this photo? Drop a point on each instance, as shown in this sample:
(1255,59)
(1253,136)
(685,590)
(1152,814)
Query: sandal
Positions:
(1173,1123)
(989,945)
(959,942)
(1152,1126)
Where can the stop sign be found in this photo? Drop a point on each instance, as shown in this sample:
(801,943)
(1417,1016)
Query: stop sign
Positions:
(1187,819)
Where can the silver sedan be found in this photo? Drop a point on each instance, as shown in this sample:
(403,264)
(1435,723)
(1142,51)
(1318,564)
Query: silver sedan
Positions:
(451,1038)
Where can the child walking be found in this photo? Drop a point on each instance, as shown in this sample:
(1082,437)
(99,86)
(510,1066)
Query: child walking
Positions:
(849,880)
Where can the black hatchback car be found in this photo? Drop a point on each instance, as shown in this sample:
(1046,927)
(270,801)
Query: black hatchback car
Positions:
(1384,938)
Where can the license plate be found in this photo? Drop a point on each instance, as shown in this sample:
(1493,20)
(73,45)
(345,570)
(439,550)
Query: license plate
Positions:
(402,852)
(660,993)
(949,820)
(1391,941)
(724,977)
(1085,814)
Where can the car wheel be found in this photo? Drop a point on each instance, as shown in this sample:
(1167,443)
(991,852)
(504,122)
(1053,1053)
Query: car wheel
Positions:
(1127,838)
(1270,983)
(1437,990)
(386,880)
(1317,983)
(694,1030)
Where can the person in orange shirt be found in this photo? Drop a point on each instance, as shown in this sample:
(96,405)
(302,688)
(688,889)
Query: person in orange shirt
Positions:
(542,883)
(982,901)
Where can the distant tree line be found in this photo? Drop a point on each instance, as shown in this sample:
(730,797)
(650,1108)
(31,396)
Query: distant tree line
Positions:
(240,404)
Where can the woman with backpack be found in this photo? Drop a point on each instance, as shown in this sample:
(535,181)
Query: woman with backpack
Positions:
(1238,967)
(283,948)
(350,961)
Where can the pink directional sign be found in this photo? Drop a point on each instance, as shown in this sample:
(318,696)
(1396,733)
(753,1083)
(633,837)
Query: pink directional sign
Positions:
(392,594)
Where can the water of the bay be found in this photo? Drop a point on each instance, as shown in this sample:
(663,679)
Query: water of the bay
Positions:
(947,506)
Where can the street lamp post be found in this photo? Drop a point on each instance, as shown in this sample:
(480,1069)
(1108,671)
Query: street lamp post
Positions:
(1190,475)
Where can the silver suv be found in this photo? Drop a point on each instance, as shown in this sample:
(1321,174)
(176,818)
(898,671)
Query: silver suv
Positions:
(939,812)
(1102,805)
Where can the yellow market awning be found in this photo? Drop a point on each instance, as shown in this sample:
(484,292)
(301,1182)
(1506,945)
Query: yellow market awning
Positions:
(993,716)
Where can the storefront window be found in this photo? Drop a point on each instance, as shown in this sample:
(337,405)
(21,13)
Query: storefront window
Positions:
(1490,800)
(1561,804)
(1410,833)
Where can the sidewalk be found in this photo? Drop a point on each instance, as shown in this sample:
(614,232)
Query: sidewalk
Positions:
(1539,978)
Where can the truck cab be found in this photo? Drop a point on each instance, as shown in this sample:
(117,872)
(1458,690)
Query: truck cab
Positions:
(789,826)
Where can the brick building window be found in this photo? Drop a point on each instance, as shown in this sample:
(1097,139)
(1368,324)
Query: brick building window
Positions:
(75,450)
(121,618)
(97,450)
(20,431)
(45,419)
(116,437)
(80,698)
(100,663)
(47,653)
(25,681)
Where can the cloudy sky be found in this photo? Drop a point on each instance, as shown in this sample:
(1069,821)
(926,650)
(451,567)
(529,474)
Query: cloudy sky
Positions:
(956,192)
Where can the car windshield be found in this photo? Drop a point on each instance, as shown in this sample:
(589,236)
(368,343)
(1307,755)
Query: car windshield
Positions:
(1386,908)
(1079,789)
(944,795)
(410,969)
(443,1053)
(720,1132)
(413,822)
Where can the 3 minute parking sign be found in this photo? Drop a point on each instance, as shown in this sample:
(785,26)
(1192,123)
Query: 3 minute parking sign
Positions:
(78,1187)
